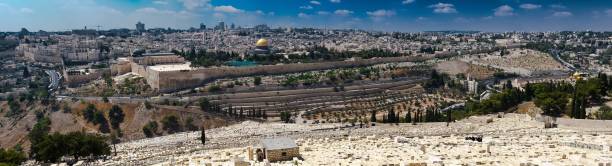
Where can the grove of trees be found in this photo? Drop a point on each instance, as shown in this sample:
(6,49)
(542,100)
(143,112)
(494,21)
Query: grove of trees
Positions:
(554,98)
(51,147)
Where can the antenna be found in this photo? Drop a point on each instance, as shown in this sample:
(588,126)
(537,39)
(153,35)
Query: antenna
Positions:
(98,26)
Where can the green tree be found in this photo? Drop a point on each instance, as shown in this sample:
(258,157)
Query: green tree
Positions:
(12,157)
(26,73)
(38,133)
(84,145)
(408,117)
(373,116)
(604,113)
(148,104)
(89,112)
(552,103)
(391,116)
(171,124)
(99,119)
(189,125)
(150,129)
(116,116)
(52,148)
(257,80)
(203,136)
(285,116)
(205,105)
(76,144)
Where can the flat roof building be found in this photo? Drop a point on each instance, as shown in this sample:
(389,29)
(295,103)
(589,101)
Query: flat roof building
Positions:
(278,149)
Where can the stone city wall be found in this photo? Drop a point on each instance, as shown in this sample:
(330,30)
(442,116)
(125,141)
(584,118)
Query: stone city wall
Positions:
(138,69)
(76,79)
(121,67)
(167,81)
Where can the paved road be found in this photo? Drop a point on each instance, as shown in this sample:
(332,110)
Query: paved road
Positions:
(54,79)
(556,54)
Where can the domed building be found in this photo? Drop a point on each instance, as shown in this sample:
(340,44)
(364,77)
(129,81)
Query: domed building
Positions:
(261,47)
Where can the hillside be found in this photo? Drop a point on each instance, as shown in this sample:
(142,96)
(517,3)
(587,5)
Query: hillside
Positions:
(69,117)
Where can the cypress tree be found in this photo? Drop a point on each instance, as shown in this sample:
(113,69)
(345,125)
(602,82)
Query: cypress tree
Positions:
(397,117)
(373,117)
(203,136)
(241,112)
(408,117)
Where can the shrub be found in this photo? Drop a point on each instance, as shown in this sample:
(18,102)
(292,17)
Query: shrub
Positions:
(12,157)
(171,124)
(150,129)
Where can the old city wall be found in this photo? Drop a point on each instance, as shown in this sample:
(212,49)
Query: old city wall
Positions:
(121,68)
(74,80)
(168,81)
(138,69)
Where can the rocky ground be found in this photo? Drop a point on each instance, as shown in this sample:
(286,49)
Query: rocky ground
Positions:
(521,61)
(511,139)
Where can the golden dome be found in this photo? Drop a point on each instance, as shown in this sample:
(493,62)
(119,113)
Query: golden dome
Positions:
(262,43)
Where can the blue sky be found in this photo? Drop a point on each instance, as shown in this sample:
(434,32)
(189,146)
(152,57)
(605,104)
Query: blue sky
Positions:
(385,15)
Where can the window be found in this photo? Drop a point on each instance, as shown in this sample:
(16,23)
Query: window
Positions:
(284,154)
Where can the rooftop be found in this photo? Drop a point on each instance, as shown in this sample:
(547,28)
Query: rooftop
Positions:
(278,143)
(171,67)
(158,54)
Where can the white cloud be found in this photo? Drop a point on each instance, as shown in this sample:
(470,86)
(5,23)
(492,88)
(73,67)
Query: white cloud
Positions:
(343,12)
(334,1)
(227,9)
(405,2)
(530,6)
(421,18)
(193,4)
(443,8)
(380,14)
(303,15)
(26,10)
(160,2)
(504,10)
(562,14)
(315,2)
(262,13)
(323,13)
(307,7)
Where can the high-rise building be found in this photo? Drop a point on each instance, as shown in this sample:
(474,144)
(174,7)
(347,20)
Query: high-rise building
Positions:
(202,26)
(220,26)
(140,27)
(232,26)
